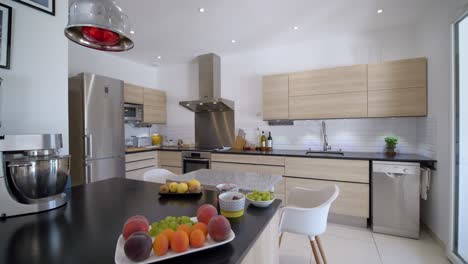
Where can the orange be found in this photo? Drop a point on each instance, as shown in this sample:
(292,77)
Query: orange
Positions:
(186,228)
(197,238)
(169,233)
(201,226)
(180,242)
(161,245)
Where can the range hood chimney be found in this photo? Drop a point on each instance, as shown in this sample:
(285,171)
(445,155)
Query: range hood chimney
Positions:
(209,87)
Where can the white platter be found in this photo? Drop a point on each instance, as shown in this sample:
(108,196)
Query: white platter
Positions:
(120,257)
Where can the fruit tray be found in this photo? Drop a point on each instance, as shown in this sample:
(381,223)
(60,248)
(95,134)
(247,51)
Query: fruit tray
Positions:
(120,257)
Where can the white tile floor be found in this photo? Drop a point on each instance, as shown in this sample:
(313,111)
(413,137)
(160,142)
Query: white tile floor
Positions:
(346,244)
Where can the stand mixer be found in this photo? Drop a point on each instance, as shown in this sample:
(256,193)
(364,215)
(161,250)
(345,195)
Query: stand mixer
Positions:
(33,176)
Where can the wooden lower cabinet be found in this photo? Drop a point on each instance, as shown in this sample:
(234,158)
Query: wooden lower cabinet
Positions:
(175,170)
(275,170)
(141,156)
(353,199)
(328,169)
(249,159)
(170,158)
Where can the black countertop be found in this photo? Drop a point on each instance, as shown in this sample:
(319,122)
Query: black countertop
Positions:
(87,228)
(400,157)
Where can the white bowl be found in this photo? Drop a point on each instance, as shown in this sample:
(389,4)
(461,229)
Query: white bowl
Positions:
(232,208)
(261,203)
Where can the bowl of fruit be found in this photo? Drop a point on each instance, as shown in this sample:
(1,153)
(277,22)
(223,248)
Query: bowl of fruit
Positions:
(181,189)
(232,204)
(260,199)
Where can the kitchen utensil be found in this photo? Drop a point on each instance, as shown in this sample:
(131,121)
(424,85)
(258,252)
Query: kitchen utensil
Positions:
(239,143)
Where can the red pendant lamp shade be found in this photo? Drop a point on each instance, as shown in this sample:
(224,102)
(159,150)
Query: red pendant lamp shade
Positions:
(99,24)
(100,36)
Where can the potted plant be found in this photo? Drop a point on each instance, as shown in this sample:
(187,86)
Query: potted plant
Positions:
(390,146)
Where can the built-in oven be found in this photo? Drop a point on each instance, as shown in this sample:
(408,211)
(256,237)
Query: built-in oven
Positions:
(133,113)
(193,161)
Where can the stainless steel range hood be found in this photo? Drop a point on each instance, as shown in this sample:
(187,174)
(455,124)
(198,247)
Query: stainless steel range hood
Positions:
(209,86)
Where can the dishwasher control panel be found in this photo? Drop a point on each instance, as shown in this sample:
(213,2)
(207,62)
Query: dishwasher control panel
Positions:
(396,168)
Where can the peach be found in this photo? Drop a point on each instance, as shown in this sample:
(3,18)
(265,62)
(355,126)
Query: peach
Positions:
(219,228)
(206,212)
(135,224)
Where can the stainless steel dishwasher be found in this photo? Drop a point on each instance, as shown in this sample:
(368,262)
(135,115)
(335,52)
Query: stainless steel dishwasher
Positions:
(395,198)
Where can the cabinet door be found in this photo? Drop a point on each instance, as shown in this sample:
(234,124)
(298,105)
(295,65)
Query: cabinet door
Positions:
(133,94)
(328,169)
(273,170)
(137,174)
(400,74)
(398,102)
(154,114)
(170,158)
(275,97)
(252,159)
(329,81)
(353,199)
(342,105)
(154,108)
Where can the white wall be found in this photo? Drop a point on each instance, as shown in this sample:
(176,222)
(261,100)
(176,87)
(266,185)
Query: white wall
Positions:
(434,37)
(241,77)
(82,59)
(35,91)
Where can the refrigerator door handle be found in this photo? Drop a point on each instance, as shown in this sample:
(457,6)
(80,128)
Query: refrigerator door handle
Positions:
(88,145)
(88,170)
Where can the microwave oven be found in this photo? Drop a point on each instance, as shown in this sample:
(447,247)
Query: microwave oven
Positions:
(133,113)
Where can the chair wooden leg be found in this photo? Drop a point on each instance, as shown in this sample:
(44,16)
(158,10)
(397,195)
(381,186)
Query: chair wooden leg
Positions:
(280,239)
(319,243)
(314,250)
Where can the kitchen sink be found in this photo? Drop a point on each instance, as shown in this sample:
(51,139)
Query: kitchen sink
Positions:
(337,153)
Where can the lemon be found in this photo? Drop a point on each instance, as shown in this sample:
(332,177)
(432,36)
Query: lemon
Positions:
(182,187)
(173,187)
(194,184)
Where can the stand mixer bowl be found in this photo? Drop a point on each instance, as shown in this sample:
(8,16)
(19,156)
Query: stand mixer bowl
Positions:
(39,177)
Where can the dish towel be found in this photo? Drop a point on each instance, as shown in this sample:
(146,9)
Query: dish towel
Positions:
(426,174)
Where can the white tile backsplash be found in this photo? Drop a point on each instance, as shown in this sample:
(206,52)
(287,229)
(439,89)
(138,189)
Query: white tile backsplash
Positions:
(366,135)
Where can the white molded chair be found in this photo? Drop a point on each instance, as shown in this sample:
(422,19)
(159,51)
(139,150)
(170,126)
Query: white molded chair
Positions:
(306,214)
(158,175)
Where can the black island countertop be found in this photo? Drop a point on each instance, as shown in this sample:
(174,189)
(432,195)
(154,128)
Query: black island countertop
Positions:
(372,156)
(86,229)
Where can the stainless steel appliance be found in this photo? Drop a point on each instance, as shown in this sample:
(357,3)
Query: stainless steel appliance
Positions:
(96,125)
(133,113)
(395,198)
(33,175)
(193,161)
(99,24)
(214,116)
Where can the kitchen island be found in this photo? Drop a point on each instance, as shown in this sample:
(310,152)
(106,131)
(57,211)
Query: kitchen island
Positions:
(87,228)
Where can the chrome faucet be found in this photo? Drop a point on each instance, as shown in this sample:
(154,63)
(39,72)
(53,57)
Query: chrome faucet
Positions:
(326,147)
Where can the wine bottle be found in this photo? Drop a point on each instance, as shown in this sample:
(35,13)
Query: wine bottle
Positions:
(269,141)
(263,141)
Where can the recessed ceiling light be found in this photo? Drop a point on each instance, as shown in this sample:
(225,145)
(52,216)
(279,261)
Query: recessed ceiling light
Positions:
(380,11)
(233,41)
(159,57)
(295,27)
(132,32)
(201,10)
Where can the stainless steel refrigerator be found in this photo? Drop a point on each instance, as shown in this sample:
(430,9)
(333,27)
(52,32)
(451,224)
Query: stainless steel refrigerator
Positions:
(96,128)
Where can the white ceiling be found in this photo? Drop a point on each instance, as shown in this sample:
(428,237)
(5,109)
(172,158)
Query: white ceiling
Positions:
(177,31)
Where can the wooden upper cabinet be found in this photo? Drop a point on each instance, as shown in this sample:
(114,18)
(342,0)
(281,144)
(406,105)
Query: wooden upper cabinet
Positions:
(341,105)
(398,88)
(411,73)
(275,97)
(329,81)
(133,94)
(154,106)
